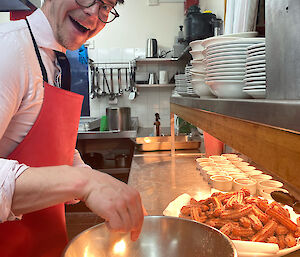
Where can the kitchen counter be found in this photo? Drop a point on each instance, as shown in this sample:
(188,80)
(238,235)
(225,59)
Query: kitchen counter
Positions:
(106,134)
(160,178)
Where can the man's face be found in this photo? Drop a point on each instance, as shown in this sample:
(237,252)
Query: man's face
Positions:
(72,25)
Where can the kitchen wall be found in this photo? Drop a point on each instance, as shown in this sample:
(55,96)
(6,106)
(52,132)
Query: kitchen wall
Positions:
(4,17)
(125,39)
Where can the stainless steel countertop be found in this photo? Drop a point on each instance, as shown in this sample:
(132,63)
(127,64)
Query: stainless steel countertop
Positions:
(160,179)
(106,134)
(278,113)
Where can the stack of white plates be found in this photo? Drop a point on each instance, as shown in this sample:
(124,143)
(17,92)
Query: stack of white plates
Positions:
(226,66)
(188,79)
(255,77)
(180,84)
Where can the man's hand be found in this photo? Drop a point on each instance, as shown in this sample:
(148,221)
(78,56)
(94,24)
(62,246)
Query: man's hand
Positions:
(119,204)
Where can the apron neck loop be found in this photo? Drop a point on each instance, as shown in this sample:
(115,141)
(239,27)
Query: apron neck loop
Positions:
(43,69)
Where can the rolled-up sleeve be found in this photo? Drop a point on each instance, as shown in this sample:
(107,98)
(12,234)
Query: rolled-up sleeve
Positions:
(9,171)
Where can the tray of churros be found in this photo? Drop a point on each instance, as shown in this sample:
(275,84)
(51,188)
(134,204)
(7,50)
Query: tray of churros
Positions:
(257,227)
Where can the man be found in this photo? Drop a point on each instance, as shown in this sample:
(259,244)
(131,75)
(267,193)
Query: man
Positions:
(39,168)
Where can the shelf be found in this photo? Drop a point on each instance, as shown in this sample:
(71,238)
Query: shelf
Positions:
(278,113)
(155,86)
(267,131)
(147,60)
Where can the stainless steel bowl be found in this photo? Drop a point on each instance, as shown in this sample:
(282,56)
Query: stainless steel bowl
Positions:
(161,237)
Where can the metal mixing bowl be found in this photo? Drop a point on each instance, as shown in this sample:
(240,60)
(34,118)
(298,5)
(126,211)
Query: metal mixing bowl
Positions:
(161,237)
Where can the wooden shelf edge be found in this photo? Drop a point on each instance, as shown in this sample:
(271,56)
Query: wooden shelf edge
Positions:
(275,149)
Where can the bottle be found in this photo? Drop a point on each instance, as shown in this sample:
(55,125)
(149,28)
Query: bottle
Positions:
(156,124)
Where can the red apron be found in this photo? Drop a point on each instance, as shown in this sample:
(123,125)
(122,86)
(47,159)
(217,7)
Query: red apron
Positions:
(50,142)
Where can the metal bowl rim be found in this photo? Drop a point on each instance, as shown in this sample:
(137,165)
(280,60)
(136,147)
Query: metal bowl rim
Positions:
(155,217)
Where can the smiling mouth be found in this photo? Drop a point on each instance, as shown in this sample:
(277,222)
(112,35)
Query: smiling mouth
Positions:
(78,26)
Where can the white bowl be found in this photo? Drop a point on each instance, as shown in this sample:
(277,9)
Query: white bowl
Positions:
(197,54)
(227,88)
(267,184)
(261,177)
(240,183)
(254,172)
(201,89)
(196,45)
(198,66)
(222,183)
(266,192)
(198,76)
(229,155)
(246,168)
(214,173)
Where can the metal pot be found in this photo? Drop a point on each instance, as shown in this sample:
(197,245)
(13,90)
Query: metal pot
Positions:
(160,237)
(118,118)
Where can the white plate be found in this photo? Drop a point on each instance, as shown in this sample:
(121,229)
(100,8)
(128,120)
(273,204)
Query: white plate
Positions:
(241,62)
(227,88)
(233,69)
(235,53)
(233,57)
(254,67)
(256,53)
(256,50)
(256,62)
(239,78)
(244,248)
(249,41)
(263,44)
(255,79)
(253,87)
(226,49)
(217,40)
(256,93)
(256,58)
(242,34)
(256,83)
(253,71)
(255,74)
(227,66)
(219,74)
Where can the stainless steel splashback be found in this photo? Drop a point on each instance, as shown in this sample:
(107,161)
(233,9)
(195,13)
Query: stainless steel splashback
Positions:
(283,49)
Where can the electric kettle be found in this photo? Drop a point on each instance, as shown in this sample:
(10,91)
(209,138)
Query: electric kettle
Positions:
(151,48)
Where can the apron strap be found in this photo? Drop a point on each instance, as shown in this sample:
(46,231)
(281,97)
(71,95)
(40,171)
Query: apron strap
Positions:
(44,72)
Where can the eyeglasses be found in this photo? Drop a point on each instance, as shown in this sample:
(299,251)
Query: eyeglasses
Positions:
(107,12)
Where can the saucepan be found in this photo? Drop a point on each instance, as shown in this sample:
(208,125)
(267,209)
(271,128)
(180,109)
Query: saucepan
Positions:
(160,237)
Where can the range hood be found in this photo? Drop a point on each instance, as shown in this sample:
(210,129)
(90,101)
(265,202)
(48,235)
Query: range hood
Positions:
(13,5)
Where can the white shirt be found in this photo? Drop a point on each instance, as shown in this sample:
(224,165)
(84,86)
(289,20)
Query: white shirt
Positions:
(22,93)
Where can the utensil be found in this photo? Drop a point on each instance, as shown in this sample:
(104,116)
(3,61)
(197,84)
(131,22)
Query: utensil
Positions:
(112,80)
(160,237)
(287,199)
(93,93)
(126,78)
(105,81)
(120,82)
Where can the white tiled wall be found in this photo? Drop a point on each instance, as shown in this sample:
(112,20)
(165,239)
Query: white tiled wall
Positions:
(148,101)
